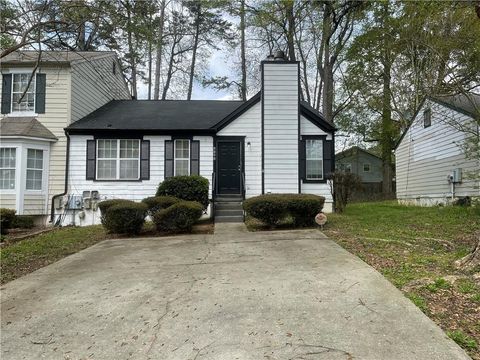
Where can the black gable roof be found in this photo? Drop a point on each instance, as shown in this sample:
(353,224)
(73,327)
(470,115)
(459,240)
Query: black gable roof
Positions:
(158,115)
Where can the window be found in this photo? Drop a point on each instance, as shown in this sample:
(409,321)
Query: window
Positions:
(34,169)
(348,168)
(314,159)
(19,85)
(182,157)
(118,159)
(366,167)
(7,168)
(427,118)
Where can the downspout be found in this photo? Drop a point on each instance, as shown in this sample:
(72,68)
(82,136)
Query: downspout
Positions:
(67,163)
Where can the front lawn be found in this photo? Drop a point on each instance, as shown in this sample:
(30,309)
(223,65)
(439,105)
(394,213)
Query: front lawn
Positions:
(415,248)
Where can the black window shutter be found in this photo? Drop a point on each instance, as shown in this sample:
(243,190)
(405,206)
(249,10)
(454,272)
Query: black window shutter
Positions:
(91,155)
(40,93)
(195,157)
(145,160)
(303,160)
(6,93)
(168,158)
(328,154)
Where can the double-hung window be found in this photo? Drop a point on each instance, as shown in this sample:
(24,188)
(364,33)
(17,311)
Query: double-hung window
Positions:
(182,157)
(34,169)
(118,159)
(23,93)
(7,168)
(314,159)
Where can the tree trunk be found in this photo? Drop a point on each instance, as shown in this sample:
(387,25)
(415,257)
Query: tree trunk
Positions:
(158,62)
(131,50)
(327,70)
(149,70)
(243,90)
(290,30)
(386,139)
(194,51)
(472,260)
(170,69)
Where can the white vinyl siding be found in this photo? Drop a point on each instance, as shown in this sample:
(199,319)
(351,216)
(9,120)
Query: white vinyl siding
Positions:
(7,168)
(118,159)
(426,156)
(249,124)
(181,157)
(281,122)
(34,169)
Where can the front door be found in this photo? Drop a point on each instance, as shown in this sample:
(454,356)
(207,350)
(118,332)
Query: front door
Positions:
(229,167)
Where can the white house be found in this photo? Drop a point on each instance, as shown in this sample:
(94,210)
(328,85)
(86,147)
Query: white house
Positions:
(431,163)
(41,94)
(272,143)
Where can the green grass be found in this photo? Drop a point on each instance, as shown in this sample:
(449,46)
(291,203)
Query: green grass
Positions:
(438,284)
(30,254)
(466,286)
(419,301)
(462,339)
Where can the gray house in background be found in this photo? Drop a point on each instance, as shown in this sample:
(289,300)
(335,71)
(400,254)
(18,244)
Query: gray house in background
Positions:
(365,164)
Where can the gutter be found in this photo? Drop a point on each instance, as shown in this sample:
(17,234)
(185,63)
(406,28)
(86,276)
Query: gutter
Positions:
(67,163)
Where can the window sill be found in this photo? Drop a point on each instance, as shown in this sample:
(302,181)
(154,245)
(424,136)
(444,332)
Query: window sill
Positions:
(320,181)
(118,180)
(8,191)
(22,114)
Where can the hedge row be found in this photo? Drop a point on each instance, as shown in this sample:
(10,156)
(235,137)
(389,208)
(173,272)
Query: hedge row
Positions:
(273,208)
(123,216)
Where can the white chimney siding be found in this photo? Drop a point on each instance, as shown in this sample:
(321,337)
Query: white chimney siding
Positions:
(280,126)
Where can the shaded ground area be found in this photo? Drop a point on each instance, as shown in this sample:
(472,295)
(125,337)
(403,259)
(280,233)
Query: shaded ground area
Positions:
(415,248)
(267,295)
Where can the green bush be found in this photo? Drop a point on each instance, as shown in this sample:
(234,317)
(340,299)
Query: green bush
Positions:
(7,217)
(125,217)
(157,203)
(273,208)
(23,222)
(269,209)
(190,188)
(303,208)
(178,217)
(106,204)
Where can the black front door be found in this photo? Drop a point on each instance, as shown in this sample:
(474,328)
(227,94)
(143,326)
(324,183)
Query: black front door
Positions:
(229,167)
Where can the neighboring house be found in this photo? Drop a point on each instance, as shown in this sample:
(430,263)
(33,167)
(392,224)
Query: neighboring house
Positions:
(363,163)
(40,96)
(272,143)
(431,166)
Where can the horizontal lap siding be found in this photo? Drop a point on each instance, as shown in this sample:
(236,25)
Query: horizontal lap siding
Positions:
(426,156)
(34,204)
(133,190)
(281,121)
(206,159)
(94,85)
(249,124)
(8,201)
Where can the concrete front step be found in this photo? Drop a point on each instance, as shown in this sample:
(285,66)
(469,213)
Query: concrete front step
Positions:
(228,212)
(234,218)
(228,206)
(229,198)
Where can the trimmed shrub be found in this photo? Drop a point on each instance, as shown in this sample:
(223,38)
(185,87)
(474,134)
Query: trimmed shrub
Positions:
(178,217)
(303,208)
(125,218)
(157,203)
(106,204)
(7,216)
(273,208)
(23,222)
(189,188)
(269,209)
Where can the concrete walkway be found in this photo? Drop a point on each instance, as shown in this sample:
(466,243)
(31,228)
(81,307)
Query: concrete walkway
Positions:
(232,295)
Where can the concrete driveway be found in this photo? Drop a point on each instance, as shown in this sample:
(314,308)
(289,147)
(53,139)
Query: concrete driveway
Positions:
(234,295)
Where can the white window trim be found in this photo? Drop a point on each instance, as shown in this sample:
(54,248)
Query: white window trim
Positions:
(15,185)
(117,159)
(27,168)
(23,113)
(369,167)
(175,155)
(316,158)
